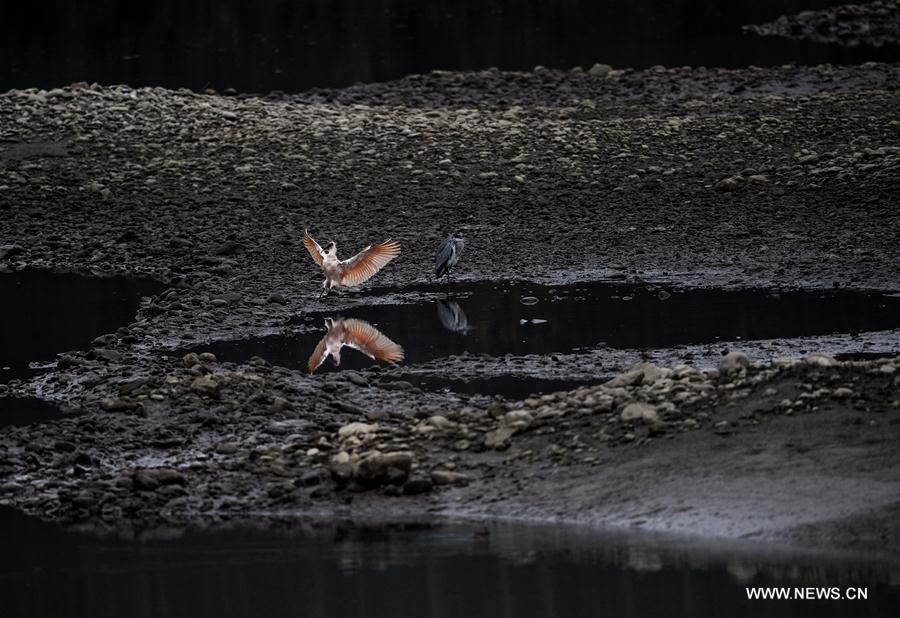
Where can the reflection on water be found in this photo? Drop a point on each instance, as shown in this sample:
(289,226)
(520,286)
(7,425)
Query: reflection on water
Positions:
(356,334)
(451,316)
(568,318)
(516,571)
(292,46)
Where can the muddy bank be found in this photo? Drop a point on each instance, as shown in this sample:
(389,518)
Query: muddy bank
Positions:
(795,451)
(873,23)
(781,178)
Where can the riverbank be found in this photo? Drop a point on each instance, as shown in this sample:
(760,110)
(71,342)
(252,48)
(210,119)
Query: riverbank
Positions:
(778,178)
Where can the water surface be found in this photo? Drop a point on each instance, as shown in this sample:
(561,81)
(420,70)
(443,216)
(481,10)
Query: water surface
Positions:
(43,314)
(516,571)
(293,45)
(497,319)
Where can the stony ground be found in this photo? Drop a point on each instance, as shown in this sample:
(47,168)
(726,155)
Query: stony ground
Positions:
(779,177)
(873,23)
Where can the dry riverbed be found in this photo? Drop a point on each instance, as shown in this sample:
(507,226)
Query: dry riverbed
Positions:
(782,178)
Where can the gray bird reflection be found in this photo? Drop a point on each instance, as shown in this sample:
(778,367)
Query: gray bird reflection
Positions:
(357,334)
(452,317)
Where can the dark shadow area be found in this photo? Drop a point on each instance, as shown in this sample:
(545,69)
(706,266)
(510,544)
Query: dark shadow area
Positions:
(43,314)
(292,46)
(508,571)
(567,318)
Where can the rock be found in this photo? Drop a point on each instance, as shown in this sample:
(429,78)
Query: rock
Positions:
(728,184)
(229,247)
(499,438)
(448,477)
(600,69)
(733,361)
(207,357)
(168,476)
(350,408)
(128,387)
(277,299)
(144,481)
(354,378)
(310,478)
(109,355)
(117,405)
(642,373)
(417,485)
(376,467)
(226,448)
(190,359)
(820,359)
(517,420)
(206,386)
(357,429)
(401,460)
(640,411)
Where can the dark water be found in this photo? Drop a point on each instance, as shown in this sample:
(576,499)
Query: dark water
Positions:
(17,411)
(499,571)
(293,45)
(568,318)
(43,314)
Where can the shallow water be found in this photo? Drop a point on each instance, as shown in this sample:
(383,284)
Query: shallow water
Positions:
(494,319)
(499,570)
(17,411)
(293,46)
(43,314)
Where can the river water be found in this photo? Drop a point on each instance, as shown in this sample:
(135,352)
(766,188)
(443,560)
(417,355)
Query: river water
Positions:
(331,571)
(294,45)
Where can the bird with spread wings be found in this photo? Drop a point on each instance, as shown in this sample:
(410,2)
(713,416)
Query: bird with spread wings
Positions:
(354,271)
(357,334)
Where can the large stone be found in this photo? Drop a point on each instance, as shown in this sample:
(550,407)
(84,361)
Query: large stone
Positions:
(206,386)
(600,69)
(357,429)
(733,361)
(642,373)
(820,359)
(499,438)
(374,466)
(640,411)
(448,477)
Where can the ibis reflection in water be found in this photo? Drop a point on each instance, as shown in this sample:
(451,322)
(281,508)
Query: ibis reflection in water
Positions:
(357,334)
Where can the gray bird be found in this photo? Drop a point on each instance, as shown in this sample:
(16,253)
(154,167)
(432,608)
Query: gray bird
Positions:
(448,254)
